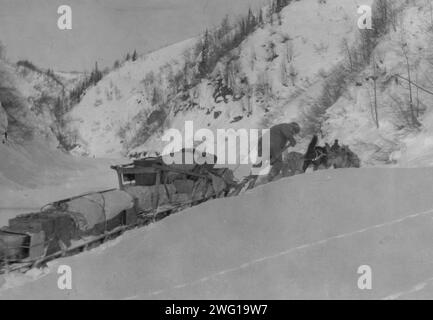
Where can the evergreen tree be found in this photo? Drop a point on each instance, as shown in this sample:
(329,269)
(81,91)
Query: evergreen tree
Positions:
(58,108)
(203,65)
(251,22)
(260,18)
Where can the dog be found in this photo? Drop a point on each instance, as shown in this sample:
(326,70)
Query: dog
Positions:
(319,157)
(316,156)
(343,157)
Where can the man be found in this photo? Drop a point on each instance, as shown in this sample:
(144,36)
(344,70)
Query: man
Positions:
(280,135)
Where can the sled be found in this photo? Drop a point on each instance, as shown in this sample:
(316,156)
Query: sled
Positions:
(79,223)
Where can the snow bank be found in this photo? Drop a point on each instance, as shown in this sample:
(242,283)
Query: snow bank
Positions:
(302,237)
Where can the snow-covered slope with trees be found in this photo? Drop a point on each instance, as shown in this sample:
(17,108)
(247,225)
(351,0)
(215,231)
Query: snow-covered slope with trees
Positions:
(120,104)
(401,131)
(325,73)
(270,73)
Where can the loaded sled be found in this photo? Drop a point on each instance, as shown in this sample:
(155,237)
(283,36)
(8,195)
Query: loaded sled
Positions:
(149,190)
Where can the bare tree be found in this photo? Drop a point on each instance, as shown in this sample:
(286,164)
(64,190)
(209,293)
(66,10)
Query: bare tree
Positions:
(289,51)
(283,73)
(346,49)
(293,74)
(374,78)
(253,57)
(405,50)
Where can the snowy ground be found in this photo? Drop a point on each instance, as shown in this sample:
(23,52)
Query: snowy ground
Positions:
(303,237)
(33,175)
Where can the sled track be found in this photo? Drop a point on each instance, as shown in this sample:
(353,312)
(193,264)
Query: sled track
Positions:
(301,247)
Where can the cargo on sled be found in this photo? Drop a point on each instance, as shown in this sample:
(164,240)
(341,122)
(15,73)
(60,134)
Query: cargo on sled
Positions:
(149,190)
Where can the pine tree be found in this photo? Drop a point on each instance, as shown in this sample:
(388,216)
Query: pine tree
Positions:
(203,65)
(260,18)
(95,75)
(134,56)
(251,22)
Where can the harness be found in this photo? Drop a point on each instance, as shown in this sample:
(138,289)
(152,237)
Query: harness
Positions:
(319,154)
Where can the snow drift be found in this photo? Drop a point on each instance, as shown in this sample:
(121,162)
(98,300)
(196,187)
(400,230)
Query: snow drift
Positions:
(302,237)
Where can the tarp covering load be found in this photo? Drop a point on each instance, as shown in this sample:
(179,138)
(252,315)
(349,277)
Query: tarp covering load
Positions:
(148,197)
(60,223)
(97,208)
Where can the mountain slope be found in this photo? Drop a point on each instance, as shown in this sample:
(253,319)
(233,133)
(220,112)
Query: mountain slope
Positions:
(281,64)
(33,171)
(281,72)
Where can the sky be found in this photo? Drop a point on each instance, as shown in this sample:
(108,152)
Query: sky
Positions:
(104,30)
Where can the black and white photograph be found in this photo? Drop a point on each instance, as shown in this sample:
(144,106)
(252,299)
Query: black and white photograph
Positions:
(237,152)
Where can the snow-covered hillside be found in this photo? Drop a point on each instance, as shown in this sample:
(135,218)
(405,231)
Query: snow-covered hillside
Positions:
(301,237)
(278,73)
(121,101)
(289,58)
(32,169)
(396,140)
(28,97)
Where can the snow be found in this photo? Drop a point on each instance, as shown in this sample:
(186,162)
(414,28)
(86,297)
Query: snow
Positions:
(350,119)
(33,175)
(116,101)
(316,49)
(301,237)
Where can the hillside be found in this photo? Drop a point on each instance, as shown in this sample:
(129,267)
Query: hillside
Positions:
(302,237)
(114,115)
(318,73)
(29,100)
(33,169)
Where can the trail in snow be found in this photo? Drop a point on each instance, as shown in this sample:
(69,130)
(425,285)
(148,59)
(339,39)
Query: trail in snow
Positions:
(420,286)
(305,246)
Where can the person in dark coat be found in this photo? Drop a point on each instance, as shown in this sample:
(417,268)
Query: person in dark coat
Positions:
(280,135)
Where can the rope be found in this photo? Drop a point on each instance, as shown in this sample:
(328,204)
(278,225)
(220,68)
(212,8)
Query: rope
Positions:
(102,207)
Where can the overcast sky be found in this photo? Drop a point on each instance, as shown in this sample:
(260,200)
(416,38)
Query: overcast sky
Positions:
(104,30)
